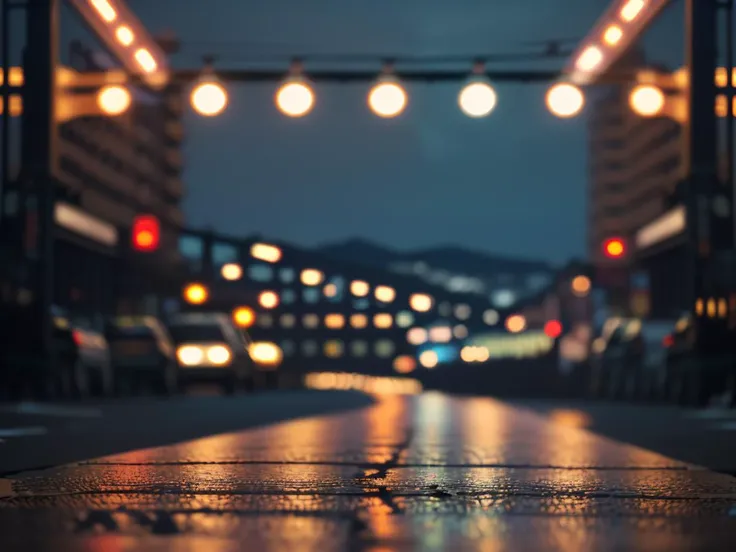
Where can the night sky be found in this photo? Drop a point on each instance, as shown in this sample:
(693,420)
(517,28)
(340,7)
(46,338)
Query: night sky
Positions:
(513,183)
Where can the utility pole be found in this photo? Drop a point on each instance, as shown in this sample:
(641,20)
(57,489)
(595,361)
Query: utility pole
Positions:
(39,159)
(700,140)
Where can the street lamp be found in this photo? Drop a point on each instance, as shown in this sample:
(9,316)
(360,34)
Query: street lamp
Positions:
(647,100)
(295,97)
(565,100)
(113,100)
(387,98)
(209,98)
(477,98)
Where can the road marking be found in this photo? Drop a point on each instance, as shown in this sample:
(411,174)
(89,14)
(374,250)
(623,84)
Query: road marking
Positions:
(22,431)
(711,414)
(725,426)
(54,410)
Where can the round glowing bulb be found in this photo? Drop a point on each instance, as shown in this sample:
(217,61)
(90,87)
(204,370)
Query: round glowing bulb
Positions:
(647,100)
(477,99)
(387,99)
(209,99)
(231,271)
(114,100)
(565,100)
(196,294)
(295,99)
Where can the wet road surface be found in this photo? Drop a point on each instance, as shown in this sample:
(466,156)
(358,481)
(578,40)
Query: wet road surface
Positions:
(428,472)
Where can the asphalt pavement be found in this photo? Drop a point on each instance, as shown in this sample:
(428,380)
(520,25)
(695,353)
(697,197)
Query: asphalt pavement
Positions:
(426,472)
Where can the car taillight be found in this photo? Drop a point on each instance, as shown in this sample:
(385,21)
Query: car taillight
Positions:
(77,338)
(668,341)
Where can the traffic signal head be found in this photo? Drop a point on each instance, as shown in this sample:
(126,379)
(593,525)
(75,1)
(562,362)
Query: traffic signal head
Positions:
(614,248)
(146,233)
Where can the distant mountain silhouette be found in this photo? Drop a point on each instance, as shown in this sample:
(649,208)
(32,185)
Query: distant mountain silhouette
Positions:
(448,257)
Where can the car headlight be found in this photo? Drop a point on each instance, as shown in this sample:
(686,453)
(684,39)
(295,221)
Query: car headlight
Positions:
(265,353)
(218,355)
(190,355)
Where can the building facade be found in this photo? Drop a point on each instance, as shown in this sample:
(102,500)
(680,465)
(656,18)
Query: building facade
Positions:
(635,165)
(110,170)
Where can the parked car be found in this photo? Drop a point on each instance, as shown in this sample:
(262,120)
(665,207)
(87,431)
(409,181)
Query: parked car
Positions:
(701,362)
(209,348)
(142,352)
(90,373)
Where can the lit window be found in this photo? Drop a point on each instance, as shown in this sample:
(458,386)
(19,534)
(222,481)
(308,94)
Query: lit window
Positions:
(359,288)
(310,321)
(309,348)
(330,290)
(440,334)
(265,252)
(420,302)
(404,319)
(416,336)
(288,296)
(334,321)
(310,295)
(312,277)
(260,273)
(359,348)
(333,349)
(460,331)
(287,275)
(268,299)
(383,321)
(462,311)
(490,317)
(384,348)
(288,320)
(385,294)
(231,271)
(265,321)
(358,321)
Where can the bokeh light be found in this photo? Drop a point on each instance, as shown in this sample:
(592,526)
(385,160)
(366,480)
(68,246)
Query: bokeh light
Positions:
(114,100)
(565,100)
(477,99)
(387,99)
(295,98)
(209,98)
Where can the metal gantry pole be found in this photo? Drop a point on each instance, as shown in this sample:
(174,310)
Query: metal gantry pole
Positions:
(730,184)
(700,138)
(39,157)
(5,153)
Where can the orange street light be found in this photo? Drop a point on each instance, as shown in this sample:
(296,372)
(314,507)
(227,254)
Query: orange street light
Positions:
(295,98)
(114,100)
(387,98)
(565,100)
(647,100)
(477,99)
(196,294)
(209,98)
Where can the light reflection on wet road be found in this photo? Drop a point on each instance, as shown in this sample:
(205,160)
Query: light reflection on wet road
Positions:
(429,472)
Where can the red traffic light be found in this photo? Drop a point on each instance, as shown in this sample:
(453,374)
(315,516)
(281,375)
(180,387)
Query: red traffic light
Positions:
(553,329)
(146,233)
(614,248)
